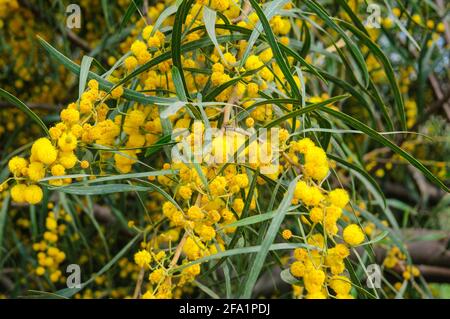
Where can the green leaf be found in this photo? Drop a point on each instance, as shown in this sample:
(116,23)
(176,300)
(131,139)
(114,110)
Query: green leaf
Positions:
(307,42)
(354,50)
(70,292)
(209,19)
(190,46)
(206,290)
(241,251)
(379,101)
(268,240)
(102,189)
(356,21)
(84,72)
(3,215)
(307,109)
(375,49)
(287,277)
(377,239)
(132,8)
(107,13)
(269,12)
(104,85)
(8,97)
(250,220)
(402,27)
(350,89)
(177,34)
(178,82)
(361,171)
(163,16)
(120,177)
(219,89)
(163,141)
(279,58)
(384,141)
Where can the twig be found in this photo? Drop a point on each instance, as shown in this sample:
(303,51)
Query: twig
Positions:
(75,39)
(145,9)
(137,290)
(178,251)
(439,94)
(245,11)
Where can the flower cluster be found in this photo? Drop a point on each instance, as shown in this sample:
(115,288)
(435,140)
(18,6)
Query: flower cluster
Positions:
(139,127)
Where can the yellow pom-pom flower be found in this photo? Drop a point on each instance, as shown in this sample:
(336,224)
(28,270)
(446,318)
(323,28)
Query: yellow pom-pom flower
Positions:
(339,197)
(353,235)
(33,194)
(142,258)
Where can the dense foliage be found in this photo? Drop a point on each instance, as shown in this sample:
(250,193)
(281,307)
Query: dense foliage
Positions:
(224,148)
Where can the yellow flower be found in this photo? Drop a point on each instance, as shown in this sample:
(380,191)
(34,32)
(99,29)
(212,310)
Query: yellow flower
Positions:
(309,195)
(316,215)
(84,164)
(252,89)
(253,62)
(339,197)
(58,170)
(205,232)
(218,185)
(440,27)
(314,280)
(33,194)
(17,164)
(185,192)
(51,224)
(191,249)
(130,63)
(316,165)
(287,234)
(298,269)
(341,285)
(154,42)
(316,295)
(147,32)
(241,180)
(117,92)
(70,116)
(18,193)
(43,151)
(40,271)
(142,258)
(67,159)
(195,213)
(138,47)
(220,5)
(67,142)
(229,58)
(300,254)
(36,171)
(353,235)
(249,122)
(157,276)
(266,55)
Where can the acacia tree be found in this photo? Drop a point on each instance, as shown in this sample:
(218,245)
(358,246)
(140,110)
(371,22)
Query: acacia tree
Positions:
(226,148)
